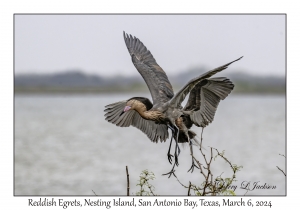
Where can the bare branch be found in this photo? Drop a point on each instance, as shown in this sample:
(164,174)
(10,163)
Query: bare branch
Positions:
(281,170)
(94,193)
(282,155)
(127,181)
(189,189)
(211,186)
(180,182)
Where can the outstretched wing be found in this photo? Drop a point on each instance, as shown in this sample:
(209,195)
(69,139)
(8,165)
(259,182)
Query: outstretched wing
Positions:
(154,131)
(156,79)
(180,96)
(205,97)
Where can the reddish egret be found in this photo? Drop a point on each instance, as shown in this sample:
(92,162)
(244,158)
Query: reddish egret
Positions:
(166,110)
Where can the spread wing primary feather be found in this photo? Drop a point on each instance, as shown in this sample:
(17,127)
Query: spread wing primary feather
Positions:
(182,93)
(205,97)
(156,79)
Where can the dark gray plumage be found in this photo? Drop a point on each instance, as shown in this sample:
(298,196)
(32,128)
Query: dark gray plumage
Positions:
(156,79)
(205,97)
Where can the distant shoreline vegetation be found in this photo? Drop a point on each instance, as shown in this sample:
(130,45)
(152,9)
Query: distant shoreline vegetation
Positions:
(74,82)
(128,89)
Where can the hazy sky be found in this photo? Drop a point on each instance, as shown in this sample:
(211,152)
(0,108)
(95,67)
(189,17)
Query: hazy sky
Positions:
(94,43)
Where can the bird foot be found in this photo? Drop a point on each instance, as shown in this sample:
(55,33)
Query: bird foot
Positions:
(170,158)
(170,173)
(192,167)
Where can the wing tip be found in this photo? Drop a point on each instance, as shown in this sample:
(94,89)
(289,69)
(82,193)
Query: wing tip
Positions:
(129,39)
(239,58)
(125,35)
(235,60)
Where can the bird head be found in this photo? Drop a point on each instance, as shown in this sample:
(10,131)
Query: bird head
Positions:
(134,104)
(129,106)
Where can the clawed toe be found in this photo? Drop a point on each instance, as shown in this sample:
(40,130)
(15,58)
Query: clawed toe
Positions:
(176,160)
(170,173)
(170,158)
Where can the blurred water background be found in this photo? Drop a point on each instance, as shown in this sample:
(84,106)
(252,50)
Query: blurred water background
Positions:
(64,146)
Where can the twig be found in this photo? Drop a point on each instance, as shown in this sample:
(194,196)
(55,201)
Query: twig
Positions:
(281,170)
(189,189)
(197,161)
(191,186)
(127,181)
(179,181)
(221,155)
(201,137)
(210,185)
(150,188)
(282,155)
(94,193)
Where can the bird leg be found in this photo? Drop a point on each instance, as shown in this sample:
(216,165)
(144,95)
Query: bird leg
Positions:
(175,131)
(186,132)
(193,163)
(169,154)
(176,146)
